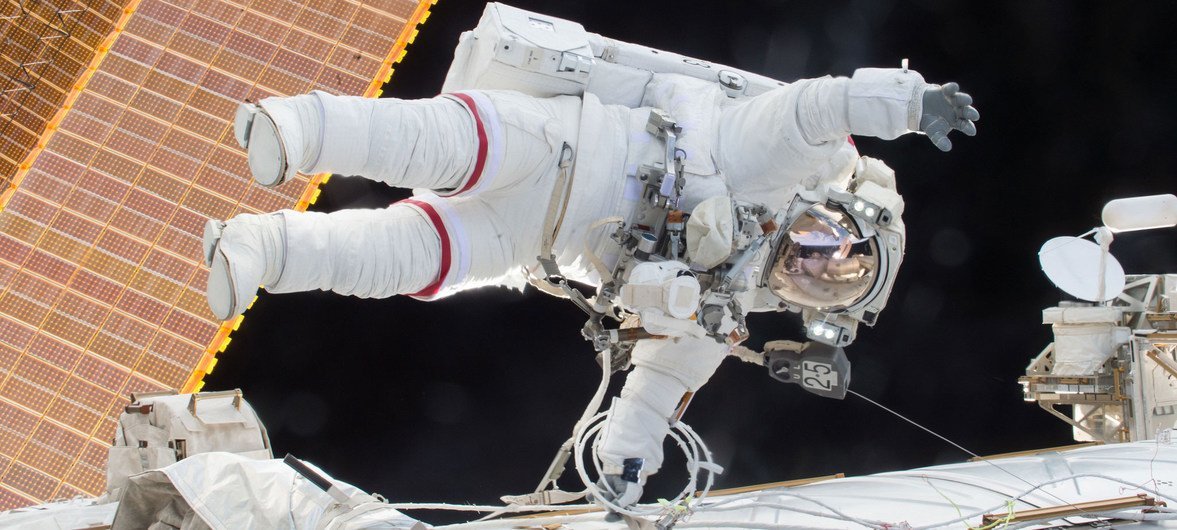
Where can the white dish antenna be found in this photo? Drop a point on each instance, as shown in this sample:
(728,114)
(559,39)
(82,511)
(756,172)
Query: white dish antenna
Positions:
(1077,266)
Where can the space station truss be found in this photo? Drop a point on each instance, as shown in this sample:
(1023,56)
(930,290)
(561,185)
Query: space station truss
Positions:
(115,148)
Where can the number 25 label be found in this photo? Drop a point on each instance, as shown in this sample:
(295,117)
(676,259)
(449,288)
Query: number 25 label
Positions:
(818,375)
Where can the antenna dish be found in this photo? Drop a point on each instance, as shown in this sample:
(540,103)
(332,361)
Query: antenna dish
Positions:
(1072,264)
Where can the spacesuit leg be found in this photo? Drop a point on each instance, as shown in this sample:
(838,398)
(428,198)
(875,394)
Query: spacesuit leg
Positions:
(428,143)
(503,145)
(368,253)
(426,247)
(460,143)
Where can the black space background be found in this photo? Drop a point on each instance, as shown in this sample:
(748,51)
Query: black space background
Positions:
(466,399)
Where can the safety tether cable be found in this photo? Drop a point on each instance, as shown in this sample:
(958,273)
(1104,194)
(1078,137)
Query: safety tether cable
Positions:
(962,448)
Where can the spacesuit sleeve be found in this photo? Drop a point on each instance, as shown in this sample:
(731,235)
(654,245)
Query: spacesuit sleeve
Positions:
(639,420)
(790,131)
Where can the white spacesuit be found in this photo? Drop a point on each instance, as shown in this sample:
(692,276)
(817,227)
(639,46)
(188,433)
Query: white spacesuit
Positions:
(502,178)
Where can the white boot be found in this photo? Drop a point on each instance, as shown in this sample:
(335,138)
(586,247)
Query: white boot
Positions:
(282,136)
(243,253)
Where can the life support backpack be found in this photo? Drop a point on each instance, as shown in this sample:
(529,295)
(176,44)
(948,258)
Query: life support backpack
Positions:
(545,56)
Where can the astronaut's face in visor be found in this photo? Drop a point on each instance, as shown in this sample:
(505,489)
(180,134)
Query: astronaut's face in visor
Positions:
(823,262)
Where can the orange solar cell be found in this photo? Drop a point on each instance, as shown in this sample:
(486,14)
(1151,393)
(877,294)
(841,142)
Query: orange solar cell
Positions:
(118,149)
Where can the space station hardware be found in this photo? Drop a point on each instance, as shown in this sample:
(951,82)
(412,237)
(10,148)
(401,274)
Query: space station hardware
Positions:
(541,55)
(1140,213)
(1113,364)
(1106,486)
(351,508)
(1114,355)
(159,429)
(222,490)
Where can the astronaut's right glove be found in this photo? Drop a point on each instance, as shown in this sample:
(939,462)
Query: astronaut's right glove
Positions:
(946,108)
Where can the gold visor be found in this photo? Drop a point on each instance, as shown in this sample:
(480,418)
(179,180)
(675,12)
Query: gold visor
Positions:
(823,262)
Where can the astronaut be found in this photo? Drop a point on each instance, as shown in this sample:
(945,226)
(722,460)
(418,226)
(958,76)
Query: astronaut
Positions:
(771,186)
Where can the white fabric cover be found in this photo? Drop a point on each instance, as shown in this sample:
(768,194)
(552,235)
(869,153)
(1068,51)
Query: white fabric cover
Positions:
(1082,315)
(122,462)
(61,515)
(662,298)
(1080,349)
(710,231)
(619,84)
(761,150)
(928,496)
(937,496)
(227,491)
(1084,337)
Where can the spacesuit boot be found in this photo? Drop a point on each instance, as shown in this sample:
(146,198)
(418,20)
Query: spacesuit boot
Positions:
(281,136)
(247,252)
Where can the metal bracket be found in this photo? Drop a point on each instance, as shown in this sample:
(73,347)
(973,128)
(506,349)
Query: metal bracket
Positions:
(235,394)
(660,124)
(1082,509)
(139,409)
(1163,361)
(1049,407)
(139,396)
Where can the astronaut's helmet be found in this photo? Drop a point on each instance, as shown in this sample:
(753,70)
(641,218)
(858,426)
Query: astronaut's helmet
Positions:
(822,261)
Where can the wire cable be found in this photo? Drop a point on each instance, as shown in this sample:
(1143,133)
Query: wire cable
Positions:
(961,447)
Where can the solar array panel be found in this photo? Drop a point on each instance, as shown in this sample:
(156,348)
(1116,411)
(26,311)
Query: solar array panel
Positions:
(45,46)
(101,287)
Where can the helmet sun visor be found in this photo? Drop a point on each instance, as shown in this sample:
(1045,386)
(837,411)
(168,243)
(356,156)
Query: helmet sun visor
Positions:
(823,262)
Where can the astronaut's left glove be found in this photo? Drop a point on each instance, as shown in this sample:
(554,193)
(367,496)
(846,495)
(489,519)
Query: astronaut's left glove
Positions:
(946,108)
